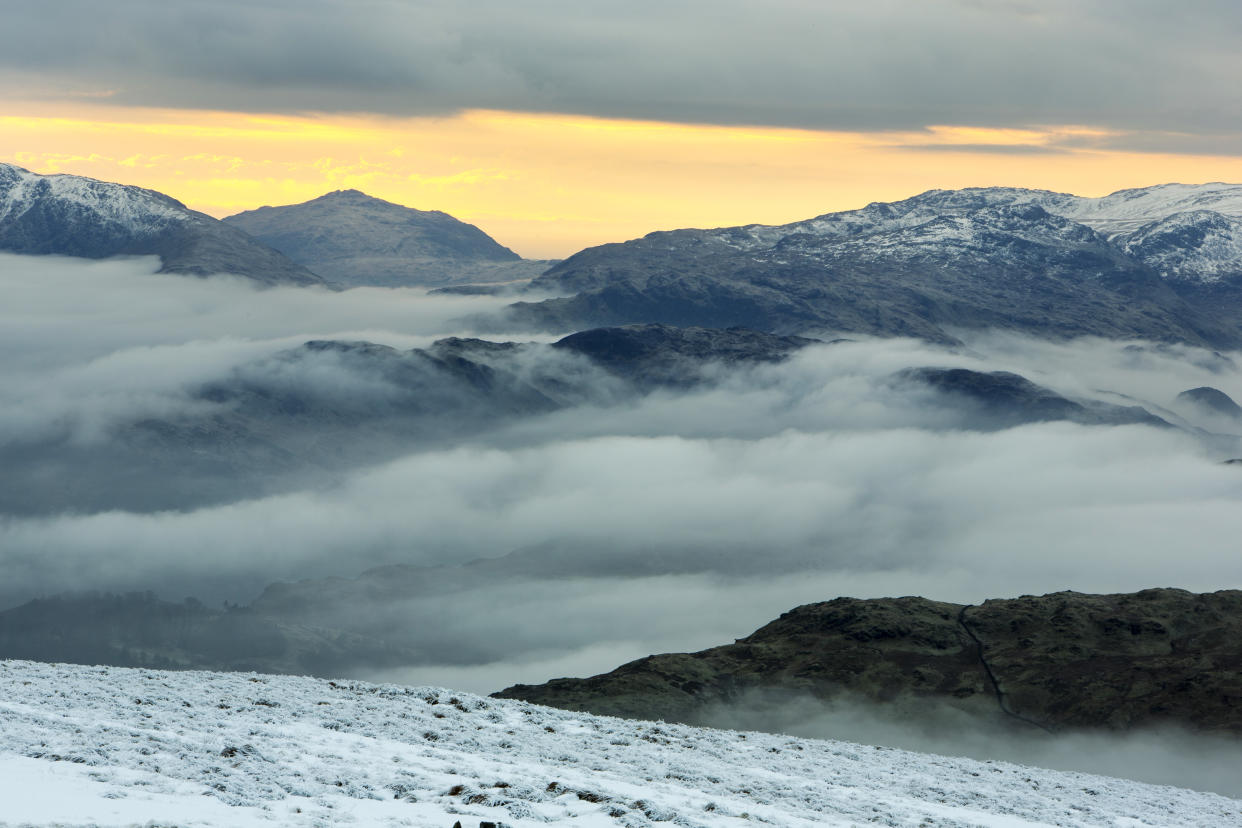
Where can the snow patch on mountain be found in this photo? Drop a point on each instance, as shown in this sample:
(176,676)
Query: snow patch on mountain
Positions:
(98,745)
(1127,210)
(1111,215)
(142,212)
(1200,246)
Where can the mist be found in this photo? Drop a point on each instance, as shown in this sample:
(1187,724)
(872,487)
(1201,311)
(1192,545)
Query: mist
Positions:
(90,344)
(561,538)
(1164,756)
(537,516)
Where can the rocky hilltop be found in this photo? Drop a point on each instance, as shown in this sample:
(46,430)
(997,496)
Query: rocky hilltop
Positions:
(1060,661)
(355,239)
(69,215)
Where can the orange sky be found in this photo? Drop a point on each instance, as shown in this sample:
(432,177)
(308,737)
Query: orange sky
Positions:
(548,185)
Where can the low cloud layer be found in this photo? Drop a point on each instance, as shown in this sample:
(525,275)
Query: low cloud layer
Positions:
(1164,72)
(1164,756)
(90,344)
(624,524)
(820,463)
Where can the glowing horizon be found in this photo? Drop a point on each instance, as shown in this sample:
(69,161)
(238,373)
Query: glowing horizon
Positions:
(548,185)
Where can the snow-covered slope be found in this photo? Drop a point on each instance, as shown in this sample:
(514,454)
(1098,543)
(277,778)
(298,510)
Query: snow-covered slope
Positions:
(1035,261)
(1199,246)
(109,746)
(70,215)
(1111,215)
(1127,210)
(130,209)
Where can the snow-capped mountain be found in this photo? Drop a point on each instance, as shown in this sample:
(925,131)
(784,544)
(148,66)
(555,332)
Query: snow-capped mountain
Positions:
(355,239)
(1196,247)
(75,216)
(1127,210)
(1111,215)
(109,746)
(1131,264)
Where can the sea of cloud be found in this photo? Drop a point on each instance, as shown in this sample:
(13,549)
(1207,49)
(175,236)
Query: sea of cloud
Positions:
(620,525)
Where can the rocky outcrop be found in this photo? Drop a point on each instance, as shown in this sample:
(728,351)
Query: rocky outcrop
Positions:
(1059,661)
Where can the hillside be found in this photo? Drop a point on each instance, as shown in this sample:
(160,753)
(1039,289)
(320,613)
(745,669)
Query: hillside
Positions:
(68,215)
(1060,661)
(1161,263)
(355,239)
(83,745)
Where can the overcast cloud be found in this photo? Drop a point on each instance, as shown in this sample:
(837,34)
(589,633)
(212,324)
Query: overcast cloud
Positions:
(1167,71)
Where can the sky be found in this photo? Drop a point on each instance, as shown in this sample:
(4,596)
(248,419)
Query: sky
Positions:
(556,125)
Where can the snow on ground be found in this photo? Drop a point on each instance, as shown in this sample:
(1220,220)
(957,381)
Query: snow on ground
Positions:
(109,746)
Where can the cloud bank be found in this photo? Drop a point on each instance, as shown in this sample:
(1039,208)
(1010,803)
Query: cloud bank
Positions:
(1166,73)
(819,467)
(568,542)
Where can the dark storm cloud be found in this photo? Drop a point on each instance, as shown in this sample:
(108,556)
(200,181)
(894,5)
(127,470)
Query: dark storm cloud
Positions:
(892,64)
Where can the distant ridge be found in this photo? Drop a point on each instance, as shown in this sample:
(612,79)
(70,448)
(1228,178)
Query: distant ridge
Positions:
(356,239)
(1161,263)
(71,215)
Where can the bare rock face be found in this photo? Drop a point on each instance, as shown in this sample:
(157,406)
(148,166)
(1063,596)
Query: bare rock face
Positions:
(1060,661)
(1117,661)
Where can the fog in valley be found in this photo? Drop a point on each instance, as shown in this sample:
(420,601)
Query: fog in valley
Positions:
(558,519)
(1166,756)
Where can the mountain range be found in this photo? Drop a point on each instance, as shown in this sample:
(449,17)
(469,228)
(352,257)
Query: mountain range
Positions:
(1162,263)
(344,238)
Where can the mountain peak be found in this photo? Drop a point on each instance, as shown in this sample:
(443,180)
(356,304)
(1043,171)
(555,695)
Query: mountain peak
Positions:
(352,195)
(358,239)
(71,215)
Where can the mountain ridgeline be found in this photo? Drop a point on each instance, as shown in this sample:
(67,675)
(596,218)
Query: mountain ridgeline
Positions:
(1162,263)
(344,238)
(68,215)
